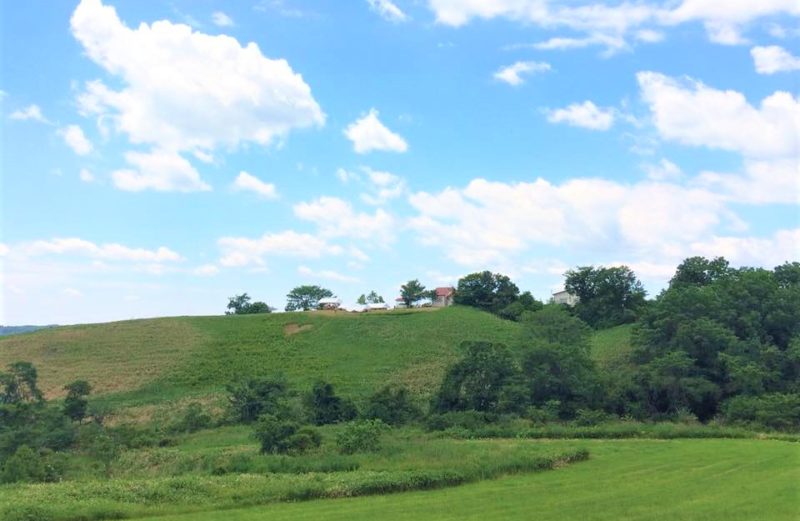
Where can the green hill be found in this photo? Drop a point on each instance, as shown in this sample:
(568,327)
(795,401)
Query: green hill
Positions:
(143,362)
(146,362)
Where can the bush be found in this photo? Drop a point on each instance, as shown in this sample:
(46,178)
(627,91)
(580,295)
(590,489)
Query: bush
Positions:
(25,465)
(255,397)
(361,436)
(775,411)
(194,419)
(326,408)
(469,420)
(588,418)
(284,436)
(392,405)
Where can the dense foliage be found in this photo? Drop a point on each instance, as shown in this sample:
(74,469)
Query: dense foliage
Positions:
(304,298)
(241,305)
(608,296)
(495,293)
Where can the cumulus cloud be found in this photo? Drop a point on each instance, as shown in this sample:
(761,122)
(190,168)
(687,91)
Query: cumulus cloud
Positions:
(763,182)
(781,247)
(249,183)
(325,274)
(85,175)
(492,222)
(772,59)
(584,115)
(512,74)
(221,19)
(160,170)
(383,187)
(368,134)
(664,170)
(615,22)
(206,270)
(336,217)
(692,113)
(76,140)
(84,248)
(31,112)
(244,251)
(387,10)
(185,91)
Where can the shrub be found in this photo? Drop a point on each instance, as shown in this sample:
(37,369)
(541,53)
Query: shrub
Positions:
(284,436)
(360,436)
(255,397)
(776,411)
(588,418)
(392,405)
(25,465)
(194,419)
(326,408)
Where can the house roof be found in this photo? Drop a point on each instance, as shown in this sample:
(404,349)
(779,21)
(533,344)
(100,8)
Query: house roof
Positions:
(445,292)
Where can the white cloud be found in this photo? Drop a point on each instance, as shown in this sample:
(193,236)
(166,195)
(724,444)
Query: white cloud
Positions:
(160,170)
(649,36)
(84,248)
(325,274)
(665,170)
(783,246)
(598,20)
(612,43)
(763,182)
(387,10)
(584,115)
(335,217)
(346,176)
(31,112)
(692,113)
(250,183)
(512,74)
(243,251)
(221,19)
(72,292)
(384,186)
(3,250)
(86,176)
(772,59)
(206,270)
(368,134)
(185,91)
(75,138)
(492,222)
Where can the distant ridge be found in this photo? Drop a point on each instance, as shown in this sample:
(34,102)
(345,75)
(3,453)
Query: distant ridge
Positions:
(16,330)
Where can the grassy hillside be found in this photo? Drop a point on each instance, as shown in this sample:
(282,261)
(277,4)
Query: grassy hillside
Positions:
(609,345)
(147,361)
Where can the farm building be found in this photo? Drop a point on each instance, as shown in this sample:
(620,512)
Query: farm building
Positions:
(330,303)
(565,297)
(443,297)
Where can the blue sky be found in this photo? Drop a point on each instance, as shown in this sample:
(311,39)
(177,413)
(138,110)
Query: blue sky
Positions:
(158,158)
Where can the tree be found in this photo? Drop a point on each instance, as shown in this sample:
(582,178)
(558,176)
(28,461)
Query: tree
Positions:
(608,296)
(75,403)
(477,380)
(487,291)
(19,384)
(699,271)
(392,405)
(556,364)
(279,436)
(412,292)
(372,298)
(326,408)
(306,297)
(516,309)
(255,397)
(241,305)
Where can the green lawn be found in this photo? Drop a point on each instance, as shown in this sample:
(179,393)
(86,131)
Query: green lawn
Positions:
(610,345)
(703,480)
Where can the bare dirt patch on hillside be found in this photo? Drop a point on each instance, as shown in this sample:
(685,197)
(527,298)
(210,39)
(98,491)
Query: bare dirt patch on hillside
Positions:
(293,329)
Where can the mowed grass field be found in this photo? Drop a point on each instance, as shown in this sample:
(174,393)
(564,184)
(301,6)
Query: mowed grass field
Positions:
(703,480)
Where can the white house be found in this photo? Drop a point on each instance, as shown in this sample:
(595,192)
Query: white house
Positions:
(330,303)
(565,297)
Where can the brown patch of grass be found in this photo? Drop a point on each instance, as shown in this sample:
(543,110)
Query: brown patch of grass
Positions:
(119,356)
(294,328)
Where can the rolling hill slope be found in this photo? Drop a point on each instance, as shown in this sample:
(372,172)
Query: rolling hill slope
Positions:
(146,361)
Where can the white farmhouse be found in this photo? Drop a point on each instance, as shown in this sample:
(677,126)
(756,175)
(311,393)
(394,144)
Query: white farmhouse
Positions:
(565,297)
